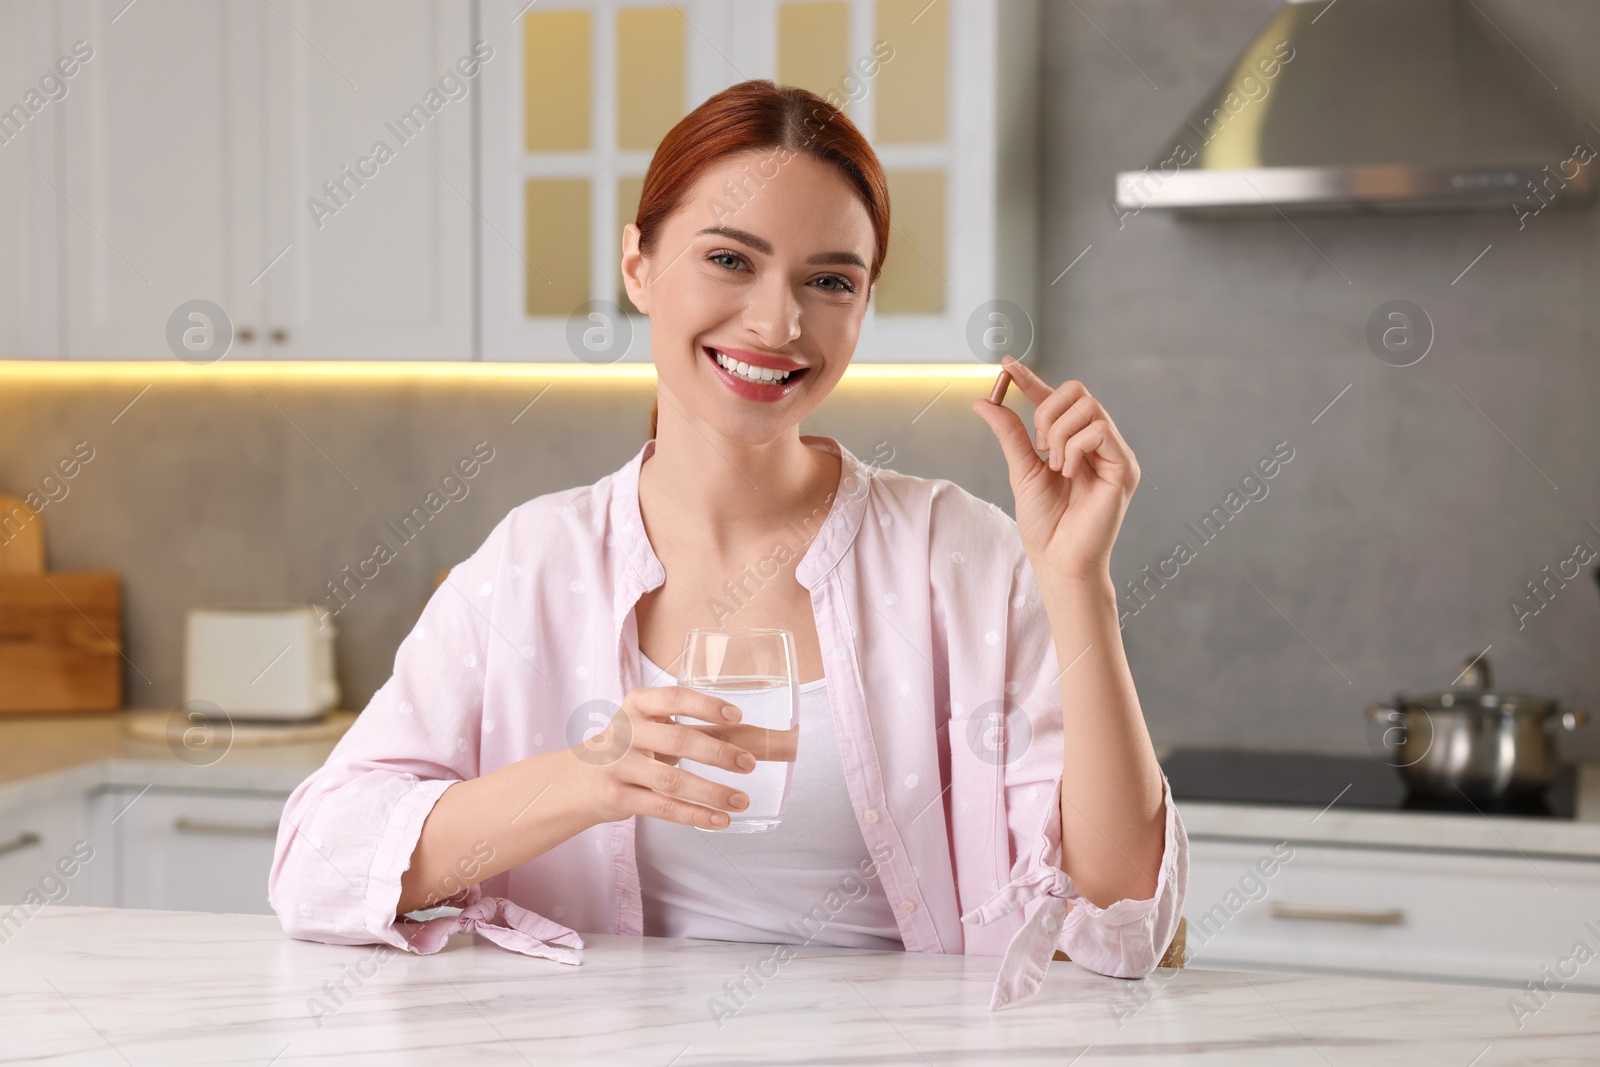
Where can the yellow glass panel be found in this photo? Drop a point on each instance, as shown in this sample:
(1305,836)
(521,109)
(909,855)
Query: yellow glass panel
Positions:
(912,90)
(913,278)
(557,246)
(650,78)
(629,190)
(814,46)
(555,80)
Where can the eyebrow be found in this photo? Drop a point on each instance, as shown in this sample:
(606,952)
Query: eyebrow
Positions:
(765,247)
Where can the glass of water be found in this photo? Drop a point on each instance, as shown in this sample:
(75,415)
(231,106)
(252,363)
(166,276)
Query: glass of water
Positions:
(755,671)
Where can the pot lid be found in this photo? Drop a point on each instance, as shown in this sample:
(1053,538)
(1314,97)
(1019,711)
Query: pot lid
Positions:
(1494,703)
(1471,691)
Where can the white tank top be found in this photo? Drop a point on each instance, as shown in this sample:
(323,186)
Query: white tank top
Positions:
(810,881)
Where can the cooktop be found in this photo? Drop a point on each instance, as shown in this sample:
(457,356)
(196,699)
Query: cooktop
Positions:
(1247,776)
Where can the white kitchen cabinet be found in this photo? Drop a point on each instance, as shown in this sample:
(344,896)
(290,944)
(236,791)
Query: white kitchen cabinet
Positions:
(1406,912)
(152,172)
(32,96)
(39,845)
(194,143)
(191,850)
(381,267)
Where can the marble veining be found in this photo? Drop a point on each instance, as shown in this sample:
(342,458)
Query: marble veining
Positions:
(121,986)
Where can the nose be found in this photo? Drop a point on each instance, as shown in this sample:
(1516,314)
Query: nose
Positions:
(773,313)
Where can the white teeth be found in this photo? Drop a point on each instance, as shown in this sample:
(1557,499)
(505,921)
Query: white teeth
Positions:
(749,373)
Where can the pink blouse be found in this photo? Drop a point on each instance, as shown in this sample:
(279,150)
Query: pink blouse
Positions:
(942,675)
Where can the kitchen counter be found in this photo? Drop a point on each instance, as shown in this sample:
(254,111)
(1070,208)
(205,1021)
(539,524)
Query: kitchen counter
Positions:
(49,757)
(100,985)
(44,758)
(1410,829)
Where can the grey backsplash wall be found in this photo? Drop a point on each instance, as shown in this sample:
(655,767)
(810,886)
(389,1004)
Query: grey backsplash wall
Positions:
(1413,511)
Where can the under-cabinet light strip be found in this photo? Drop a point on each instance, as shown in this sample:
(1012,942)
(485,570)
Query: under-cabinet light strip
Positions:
(106,370)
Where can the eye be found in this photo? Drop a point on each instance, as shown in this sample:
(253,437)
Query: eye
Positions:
(722,255)
(842,283)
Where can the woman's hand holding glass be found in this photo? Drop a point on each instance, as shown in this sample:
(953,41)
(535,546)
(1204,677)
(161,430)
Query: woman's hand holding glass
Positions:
(631,765)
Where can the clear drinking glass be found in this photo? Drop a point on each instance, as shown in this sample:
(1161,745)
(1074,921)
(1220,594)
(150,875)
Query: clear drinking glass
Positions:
(755,671)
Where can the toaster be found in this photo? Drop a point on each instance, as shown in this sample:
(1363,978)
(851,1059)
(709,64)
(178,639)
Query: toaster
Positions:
(260,661)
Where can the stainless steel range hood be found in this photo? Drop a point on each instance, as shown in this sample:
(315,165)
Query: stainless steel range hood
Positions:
(1389,105)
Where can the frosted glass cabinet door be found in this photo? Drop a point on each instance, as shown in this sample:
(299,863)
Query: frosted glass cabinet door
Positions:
(946,92)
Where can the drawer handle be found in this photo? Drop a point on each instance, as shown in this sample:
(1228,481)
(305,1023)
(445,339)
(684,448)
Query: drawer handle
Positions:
(20,842)
(198,826)
(1387,917)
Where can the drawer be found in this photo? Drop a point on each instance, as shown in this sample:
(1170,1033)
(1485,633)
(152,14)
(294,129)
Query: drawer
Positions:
(39,843)
(1461,916)
(190,850)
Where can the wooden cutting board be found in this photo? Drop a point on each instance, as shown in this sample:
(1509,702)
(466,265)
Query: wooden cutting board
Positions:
(21,537)
(60,641)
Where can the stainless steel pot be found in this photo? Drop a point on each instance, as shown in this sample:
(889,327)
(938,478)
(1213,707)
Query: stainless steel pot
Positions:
(1469,741)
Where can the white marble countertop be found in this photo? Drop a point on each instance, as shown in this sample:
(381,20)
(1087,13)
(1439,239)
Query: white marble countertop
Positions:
(120,986)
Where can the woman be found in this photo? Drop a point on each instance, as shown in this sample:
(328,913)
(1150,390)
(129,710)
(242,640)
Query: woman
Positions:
(503,765)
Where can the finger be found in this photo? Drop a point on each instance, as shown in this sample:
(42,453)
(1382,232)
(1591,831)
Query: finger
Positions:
(761,743)
(685,785)
(1075,418)
(997,394)
(1115,449)
(638,800)
(662,702)
(1015,441)
(1092,443)
(778,746)
(1033,387)
(1117,438)
(699,743)
(1048,413)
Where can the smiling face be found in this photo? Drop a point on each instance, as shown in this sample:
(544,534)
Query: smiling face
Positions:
(771,272)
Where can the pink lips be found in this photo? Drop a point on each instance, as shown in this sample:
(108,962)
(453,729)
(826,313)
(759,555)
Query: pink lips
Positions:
(758,391)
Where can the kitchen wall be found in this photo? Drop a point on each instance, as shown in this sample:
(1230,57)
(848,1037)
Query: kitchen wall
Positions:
(1387,549)
(1420,504)
(265,490)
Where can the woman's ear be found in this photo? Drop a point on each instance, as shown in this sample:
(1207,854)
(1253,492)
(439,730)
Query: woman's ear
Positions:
(635,269)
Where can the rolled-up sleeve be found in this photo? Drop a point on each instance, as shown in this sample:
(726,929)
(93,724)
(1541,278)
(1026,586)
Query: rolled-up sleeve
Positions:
(348,831)
(1125,939)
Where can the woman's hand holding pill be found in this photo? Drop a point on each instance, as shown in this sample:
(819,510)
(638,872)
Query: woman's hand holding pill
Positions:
(1069,503)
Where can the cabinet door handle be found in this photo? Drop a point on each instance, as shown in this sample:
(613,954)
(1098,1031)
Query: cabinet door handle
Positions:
(1385,917)
(183,824)
(20,842)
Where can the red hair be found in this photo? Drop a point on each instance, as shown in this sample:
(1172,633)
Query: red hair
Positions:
(755,115)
